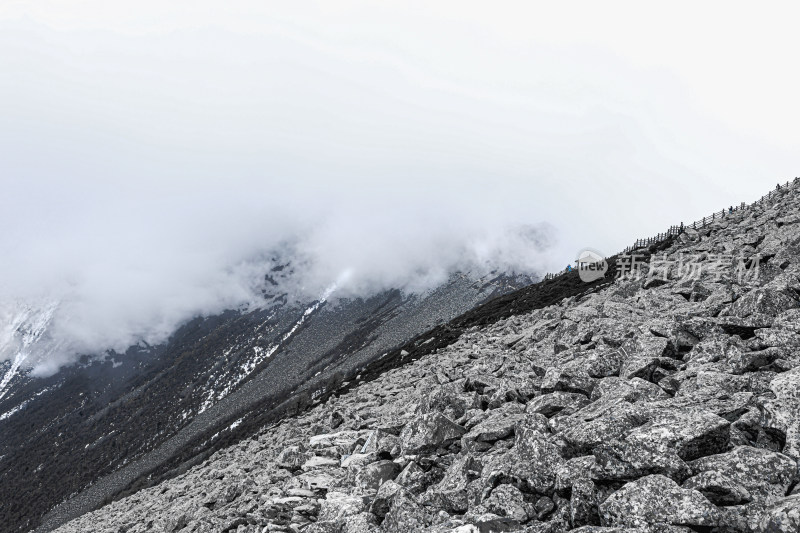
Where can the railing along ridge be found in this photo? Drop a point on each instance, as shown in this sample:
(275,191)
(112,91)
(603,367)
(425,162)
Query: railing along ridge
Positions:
(697,224)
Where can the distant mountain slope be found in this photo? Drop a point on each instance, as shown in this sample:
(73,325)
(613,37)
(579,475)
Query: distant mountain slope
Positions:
(155,407)
(662,402)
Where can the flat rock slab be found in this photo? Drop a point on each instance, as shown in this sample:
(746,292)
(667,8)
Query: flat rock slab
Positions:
(691,433)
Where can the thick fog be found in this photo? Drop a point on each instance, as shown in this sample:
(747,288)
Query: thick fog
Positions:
(154,158)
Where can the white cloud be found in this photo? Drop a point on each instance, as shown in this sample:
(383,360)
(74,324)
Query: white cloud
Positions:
(150,154)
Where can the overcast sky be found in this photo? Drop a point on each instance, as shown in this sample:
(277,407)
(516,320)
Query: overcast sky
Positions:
(151,152)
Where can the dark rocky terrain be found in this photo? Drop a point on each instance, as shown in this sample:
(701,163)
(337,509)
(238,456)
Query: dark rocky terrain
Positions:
(668,403)
(100,429)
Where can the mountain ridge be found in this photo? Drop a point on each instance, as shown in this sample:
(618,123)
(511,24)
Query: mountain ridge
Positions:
(648,404)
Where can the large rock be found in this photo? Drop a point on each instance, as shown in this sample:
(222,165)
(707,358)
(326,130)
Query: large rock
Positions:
(762,473)
(338,505)
(709,379)
(451,400)
(450,493)
(343,441)
(360,523)
(554,403)
(533,461)
(712,400)
(783,414)
(602,363)
(599,423)
(292,458)
(429,432)
(713,349)
(719,488)
(499,425)
(507,501)
(765,301)
(657,499)
(373,475)
(404,514)
(576,469)
(583,504)
(381,442)
(414,478)
(751,361)
(783,516)
(565,379)
(629,390)
(382,499)
(320,462)
(690,433)
(621,460)
(492,523)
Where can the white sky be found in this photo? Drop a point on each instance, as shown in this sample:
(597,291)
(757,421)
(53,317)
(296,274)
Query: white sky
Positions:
(146,147)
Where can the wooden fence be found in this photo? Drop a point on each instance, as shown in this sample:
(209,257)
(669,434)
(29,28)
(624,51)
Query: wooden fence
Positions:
(697,224)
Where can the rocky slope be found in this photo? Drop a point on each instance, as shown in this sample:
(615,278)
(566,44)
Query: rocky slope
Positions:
(102,427)
(669,403)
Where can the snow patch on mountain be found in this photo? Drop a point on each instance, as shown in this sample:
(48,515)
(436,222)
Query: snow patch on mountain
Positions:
(22,333)
(260,354)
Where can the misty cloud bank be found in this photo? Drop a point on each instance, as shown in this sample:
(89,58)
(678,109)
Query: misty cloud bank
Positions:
(152,164)
(115,293)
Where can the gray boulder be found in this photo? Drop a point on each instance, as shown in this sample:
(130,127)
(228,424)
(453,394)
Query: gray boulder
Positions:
(533,461)
(451,400)
(451,492)
(554,403)
(765,301)
(719,488)
(373,475)
(404,514)
(292,458)
(783,413)
(622,460)
(507,501)
(429,432)
(629,390)
(566,379)
(599,423)
(380,503)
(657,499)
(583,504)
(338,505)
(783,516)
(690,433)
(762,473)
(499,425)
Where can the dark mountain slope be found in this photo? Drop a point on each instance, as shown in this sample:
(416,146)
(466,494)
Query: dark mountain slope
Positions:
(657,403)
(155,407)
